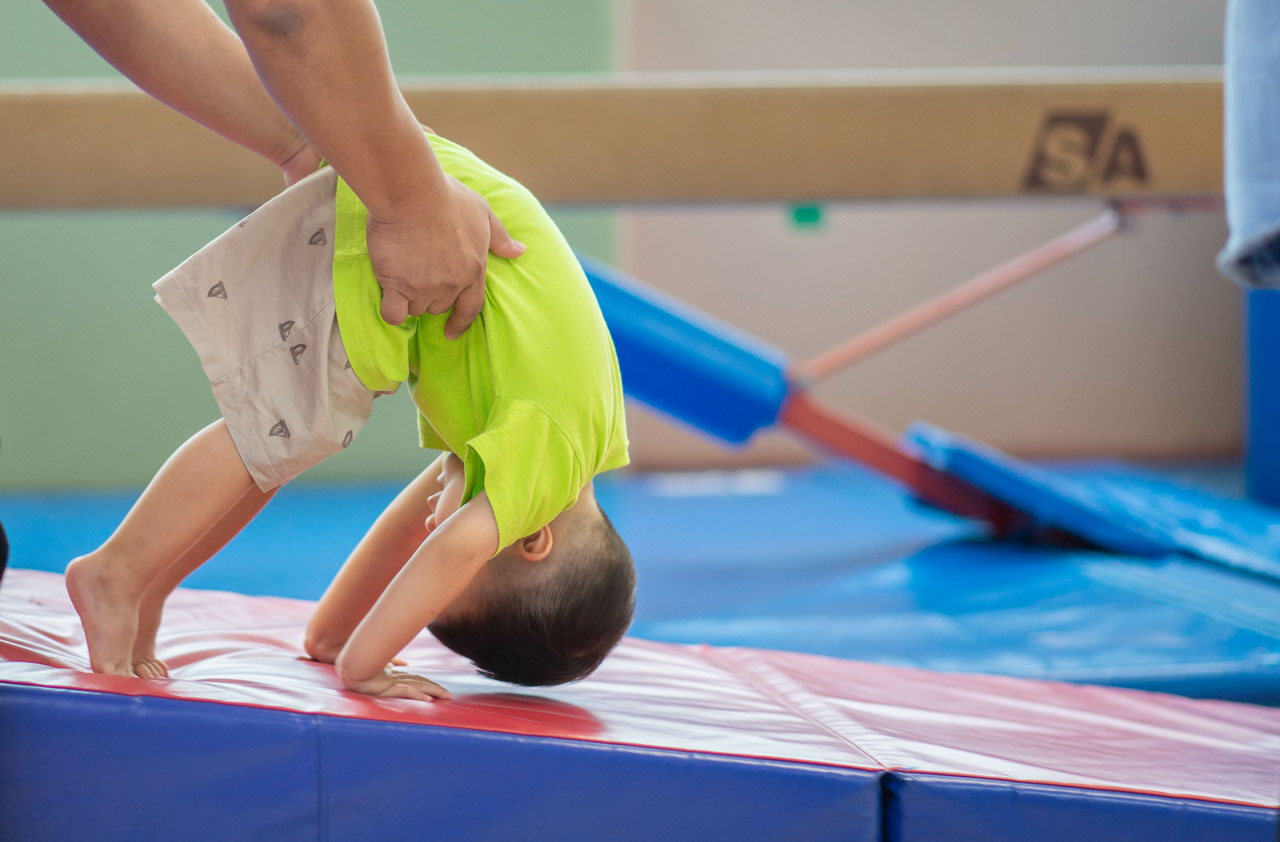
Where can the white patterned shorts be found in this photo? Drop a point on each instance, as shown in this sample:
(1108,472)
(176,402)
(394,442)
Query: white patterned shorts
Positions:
(257,306)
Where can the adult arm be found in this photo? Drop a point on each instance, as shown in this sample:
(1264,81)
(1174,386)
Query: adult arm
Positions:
(325,64)
(181,53)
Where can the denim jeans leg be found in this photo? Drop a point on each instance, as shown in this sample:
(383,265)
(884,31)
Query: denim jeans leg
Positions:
(1252,143)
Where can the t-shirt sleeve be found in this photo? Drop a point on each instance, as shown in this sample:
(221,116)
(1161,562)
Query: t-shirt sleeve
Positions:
(526,465)
(427,435)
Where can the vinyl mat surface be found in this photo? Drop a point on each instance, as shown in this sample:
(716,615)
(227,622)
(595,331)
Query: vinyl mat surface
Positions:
(829,561)
(249,740)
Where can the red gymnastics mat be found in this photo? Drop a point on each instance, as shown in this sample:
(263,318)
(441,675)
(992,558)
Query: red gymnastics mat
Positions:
(250,740)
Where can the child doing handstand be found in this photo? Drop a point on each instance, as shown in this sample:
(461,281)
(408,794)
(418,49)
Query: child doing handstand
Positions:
(499,547)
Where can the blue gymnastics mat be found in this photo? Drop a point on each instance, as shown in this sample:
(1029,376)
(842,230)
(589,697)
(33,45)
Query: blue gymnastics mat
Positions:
(248,740)
(1124,516)
(831,561)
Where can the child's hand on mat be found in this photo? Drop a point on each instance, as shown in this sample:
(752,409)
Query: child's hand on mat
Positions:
(432,258)
(394,684)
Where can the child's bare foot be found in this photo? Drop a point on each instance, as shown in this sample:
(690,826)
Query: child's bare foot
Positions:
(109,616)
(150,668)
(145,662)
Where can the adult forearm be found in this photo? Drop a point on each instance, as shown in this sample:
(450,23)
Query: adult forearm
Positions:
(325,63)
(181,53)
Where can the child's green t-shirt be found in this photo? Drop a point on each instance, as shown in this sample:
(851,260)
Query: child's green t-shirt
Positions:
(530,397)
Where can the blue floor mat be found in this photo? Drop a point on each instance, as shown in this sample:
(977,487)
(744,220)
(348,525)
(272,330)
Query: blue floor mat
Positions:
(826,560)
(1125,514)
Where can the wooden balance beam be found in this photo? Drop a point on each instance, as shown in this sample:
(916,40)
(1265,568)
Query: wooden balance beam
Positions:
(681,138)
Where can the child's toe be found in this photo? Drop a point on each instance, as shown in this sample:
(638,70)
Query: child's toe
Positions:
(151,668)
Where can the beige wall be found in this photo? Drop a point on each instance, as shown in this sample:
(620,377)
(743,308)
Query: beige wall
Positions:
(1131,350)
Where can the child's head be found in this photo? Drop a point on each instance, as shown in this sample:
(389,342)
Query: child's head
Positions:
(547,609)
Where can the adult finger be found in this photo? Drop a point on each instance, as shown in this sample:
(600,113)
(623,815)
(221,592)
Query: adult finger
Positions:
(500,242)
(395,307)
(440,305)
(465,310)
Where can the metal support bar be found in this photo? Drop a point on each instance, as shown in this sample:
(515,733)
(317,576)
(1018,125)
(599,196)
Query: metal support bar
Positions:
(980,288)
(856,440)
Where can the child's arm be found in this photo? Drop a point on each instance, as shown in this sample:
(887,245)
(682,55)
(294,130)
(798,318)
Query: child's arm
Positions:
(438,571)
(393,538)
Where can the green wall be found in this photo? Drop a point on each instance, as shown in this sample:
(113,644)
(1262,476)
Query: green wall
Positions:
(97,386)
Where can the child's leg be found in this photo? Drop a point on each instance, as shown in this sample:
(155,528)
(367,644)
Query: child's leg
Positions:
(194,490)
(151,608)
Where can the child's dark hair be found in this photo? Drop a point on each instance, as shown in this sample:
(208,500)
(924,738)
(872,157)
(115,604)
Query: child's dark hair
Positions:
(558,624)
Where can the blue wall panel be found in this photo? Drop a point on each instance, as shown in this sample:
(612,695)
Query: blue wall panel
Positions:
(1263,403)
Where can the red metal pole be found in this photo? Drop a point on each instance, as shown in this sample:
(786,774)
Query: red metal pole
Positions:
(856,440)
(867,446)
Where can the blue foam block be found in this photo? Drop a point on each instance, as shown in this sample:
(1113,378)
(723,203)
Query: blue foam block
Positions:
(925,808)
(470,785)
(80,765)
(249,741)
(1123,518)
(88,765)
(685,363)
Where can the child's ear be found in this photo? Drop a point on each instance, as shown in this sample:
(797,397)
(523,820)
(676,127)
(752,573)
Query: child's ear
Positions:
(537,546)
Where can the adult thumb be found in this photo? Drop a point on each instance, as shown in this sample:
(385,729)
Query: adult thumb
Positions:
(395,307)
(500,242)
